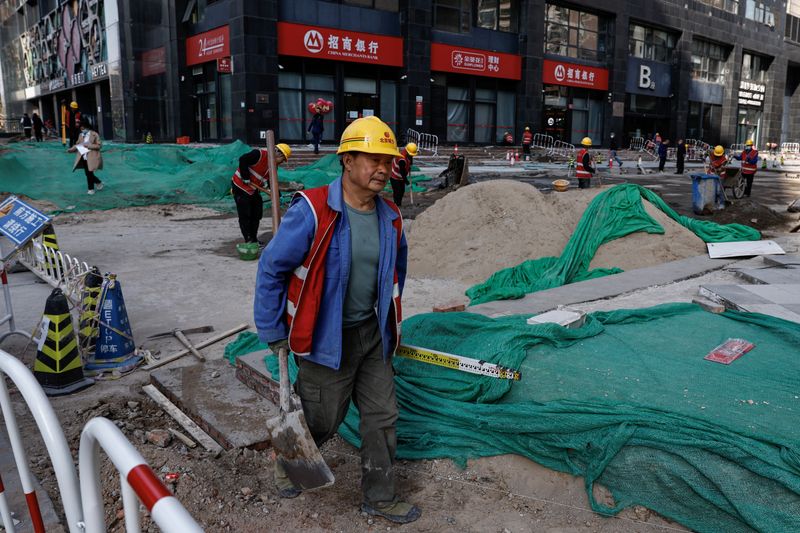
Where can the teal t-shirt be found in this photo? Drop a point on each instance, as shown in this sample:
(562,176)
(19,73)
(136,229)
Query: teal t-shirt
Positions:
(365,250)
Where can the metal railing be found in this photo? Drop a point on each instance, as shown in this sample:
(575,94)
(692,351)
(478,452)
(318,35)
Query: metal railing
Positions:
(424,141)
(10,124)
(562,149)
(696,150)
(56,268)
(83,509)
(790,148)
(542,140)
(637,144)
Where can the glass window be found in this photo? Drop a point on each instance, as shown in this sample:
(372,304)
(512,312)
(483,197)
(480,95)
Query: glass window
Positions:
(754,68)
(226,115)
(385,5)
(359,85)
(499,15)
(457,114)
(650,43)
(759,12)
(452,15)
(389,103)
(731,6)
(506,111)
(573,33)
(290,112)
(321,82)
(708,60)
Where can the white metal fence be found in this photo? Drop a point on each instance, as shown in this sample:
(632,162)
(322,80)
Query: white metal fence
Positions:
(562,149)
(83,504)
(542,140)
(424,141)
(790,148)
(56,268)
(696,149)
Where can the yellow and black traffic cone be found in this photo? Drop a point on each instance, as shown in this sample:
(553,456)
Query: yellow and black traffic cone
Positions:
(50,244)
(58,366)
(89,325)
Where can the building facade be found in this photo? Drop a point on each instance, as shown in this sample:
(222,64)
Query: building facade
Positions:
(466,70)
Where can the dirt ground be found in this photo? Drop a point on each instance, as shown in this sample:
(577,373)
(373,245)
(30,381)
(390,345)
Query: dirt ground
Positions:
(177,269)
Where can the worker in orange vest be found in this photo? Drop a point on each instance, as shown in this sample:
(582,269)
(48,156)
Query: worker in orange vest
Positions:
(718,161)
(584,169)
(527,140)
(749,159)
(401,168)
(508,139)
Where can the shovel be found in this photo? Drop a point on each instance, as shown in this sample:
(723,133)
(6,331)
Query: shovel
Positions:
(294,446)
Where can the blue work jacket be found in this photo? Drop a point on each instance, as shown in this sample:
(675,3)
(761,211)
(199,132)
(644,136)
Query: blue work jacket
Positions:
(288,249)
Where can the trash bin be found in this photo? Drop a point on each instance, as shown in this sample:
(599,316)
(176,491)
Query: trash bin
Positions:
(707,194)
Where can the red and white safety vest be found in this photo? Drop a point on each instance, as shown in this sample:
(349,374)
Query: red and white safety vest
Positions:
(749,168)
(306,285)
(527,137)
(580,172)
(396,174)
(259,174)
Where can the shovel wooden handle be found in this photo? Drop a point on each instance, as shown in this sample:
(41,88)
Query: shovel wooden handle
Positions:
(283,368)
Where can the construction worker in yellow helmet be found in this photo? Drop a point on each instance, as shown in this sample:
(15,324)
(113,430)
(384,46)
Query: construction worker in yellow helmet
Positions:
(584,166)
(527,141)
(718,161)
(338,308)
(248,182)
(749,158)
(401,168)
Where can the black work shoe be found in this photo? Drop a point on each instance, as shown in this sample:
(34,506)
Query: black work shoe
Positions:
(288,493)
(397,512)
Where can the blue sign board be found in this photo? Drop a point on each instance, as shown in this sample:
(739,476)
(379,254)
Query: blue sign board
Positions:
(19,221)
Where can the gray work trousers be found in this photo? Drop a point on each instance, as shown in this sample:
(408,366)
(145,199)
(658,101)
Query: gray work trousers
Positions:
(368,380)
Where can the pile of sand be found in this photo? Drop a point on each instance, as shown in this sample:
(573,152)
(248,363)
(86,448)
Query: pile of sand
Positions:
(479,229)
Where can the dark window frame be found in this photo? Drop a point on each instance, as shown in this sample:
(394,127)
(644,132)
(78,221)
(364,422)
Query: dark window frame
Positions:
(576,28)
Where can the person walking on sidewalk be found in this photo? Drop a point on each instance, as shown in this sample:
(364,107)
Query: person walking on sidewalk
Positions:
(38,125)
(749,159)
(87,146)
(317,127)
(680,156)
(248,181)
(612,151)
(27,126)
(662,155)
(401,168)
(527,140)
(328,288)
(584,166)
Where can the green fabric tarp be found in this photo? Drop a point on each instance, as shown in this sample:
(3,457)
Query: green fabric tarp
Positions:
(626,401)
(611,214)
(144,174)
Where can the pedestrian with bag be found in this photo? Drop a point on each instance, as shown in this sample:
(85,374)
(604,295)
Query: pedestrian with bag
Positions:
(680,156)
(328,288)
(87,146)
(662,155)
(317,127)
(612,151)
(38,125)
(27,126)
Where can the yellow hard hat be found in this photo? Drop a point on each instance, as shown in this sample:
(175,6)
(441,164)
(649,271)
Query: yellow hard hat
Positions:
(749,142)
(411,149)
(719,150)
(586,141)
(527,128)
(74,105)
(370,135)
(284,149)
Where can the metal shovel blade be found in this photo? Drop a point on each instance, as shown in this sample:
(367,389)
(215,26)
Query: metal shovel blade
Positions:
(291,439)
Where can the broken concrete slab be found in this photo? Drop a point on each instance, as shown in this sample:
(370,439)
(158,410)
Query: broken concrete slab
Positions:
(601,288)
(209,393)
(251,370)
(781,301)
(786,261)
(767,275)
(736,297)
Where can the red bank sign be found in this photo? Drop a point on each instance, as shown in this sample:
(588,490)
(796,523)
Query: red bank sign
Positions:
(572,75)
(208,46)
(342,45)
(446,58)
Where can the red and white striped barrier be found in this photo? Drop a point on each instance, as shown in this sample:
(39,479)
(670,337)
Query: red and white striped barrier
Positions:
(138,481)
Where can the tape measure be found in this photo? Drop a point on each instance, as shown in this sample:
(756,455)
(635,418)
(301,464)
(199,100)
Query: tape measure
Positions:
(457,362)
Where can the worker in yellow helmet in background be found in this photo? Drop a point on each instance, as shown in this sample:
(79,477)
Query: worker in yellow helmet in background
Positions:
(338,308)
(401,168)
(584,166)
(718,161)
(248,182)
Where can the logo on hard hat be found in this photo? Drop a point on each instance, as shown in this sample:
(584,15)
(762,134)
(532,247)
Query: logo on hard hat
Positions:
(387,134)
(560,72)
(313,41)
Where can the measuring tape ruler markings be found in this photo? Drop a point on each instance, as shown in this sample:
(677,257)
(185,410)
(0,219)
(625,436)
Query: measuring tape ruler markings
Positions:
(457,362)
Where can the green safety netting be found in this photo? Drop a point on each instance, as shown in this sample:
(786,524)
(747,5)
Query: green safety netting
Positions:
(142,174)
(626,401)
(611,214)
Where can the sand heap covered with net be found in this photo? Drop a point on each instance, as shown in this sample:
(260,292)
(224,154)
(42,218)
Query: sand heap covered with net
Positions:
(479,229)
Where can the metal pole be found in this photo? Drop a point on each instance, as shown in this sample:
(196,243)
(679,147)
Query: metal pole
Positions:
(274,193)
